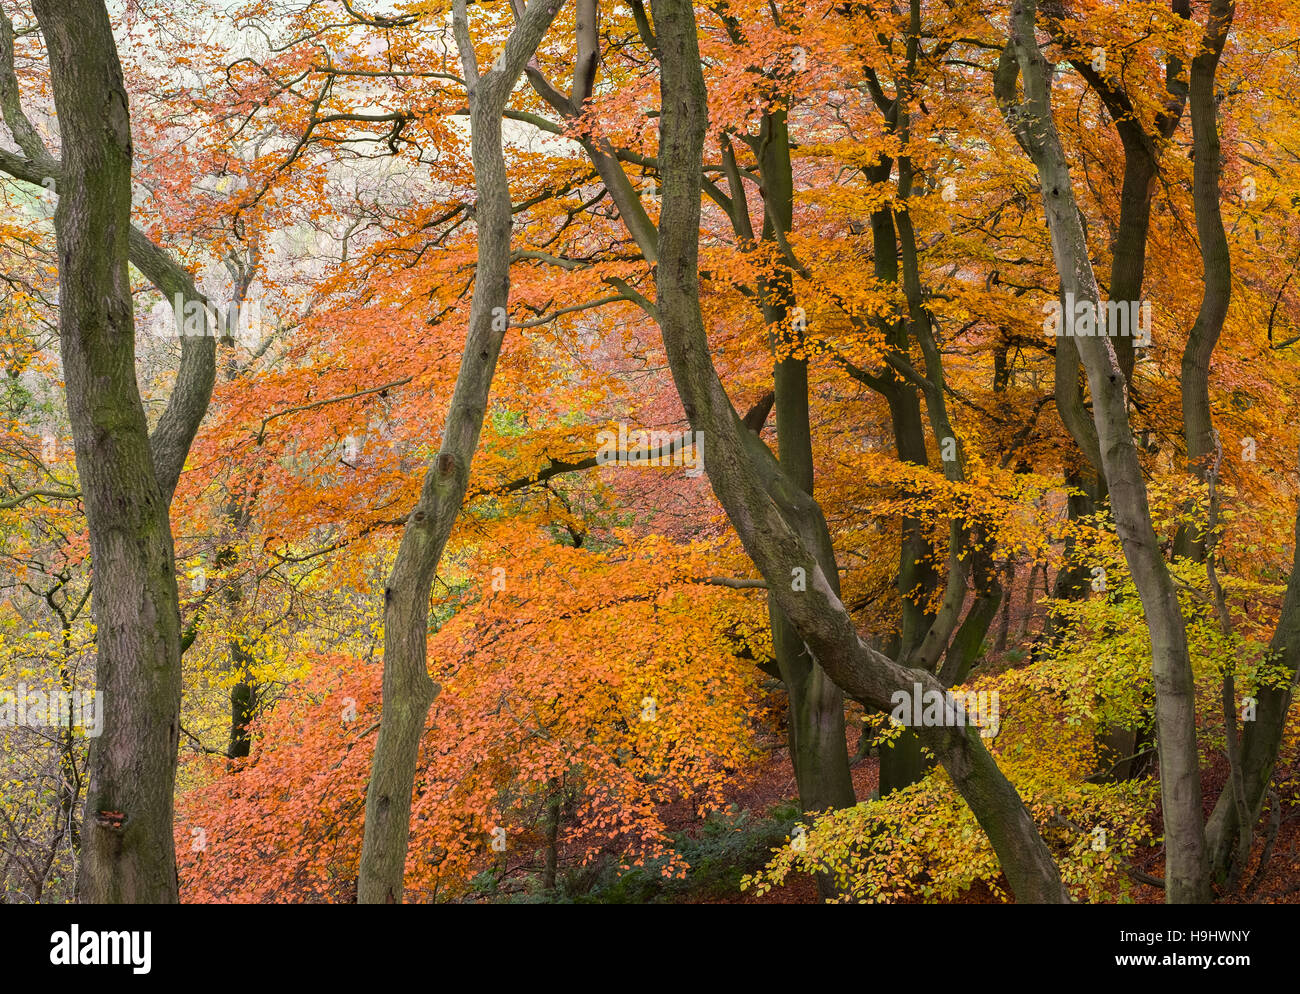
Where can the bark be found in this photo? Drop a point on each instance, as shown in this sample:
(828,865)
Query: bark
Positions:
(1127,274)
(971,549)
(903,764)
(188,402)
(243,703)
(967,642)
(1128,264)
(554,811)
(408,690)
(1141,164)
(1087,484)
(1207,170)
(599,150)
(818,747)
(128,851)
(69,790)
(1187,876)
(766,508)
(925,636)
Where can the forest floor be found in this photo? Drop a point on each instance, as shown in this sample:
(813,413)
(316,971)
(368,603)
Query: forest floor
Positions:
(762,804)
(759,810)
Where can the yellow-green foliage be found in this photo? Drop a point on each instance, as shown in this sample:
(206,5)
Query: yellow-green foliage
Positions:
(924,843)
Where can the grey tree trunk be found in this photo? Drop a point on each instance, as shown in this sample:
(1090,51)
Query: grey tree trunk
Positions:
(1141,164)
(1127,275)
(408,690)
(818,748)
(1187,871)
(1207,169)
(1262,738)
(188,402)
(128,852)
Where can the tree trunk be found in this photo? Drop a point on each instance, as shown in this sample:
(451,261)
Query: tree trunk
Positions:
(768,510)
(554,813)
(1207,168)
(1187,872)
(819,750)
(902,762)
(408,690)
(128,850)
(1261,738)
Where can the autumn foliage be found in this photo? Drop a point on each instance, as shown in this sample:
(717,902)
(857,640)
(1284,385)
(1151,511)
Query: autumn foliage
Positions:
(600,638)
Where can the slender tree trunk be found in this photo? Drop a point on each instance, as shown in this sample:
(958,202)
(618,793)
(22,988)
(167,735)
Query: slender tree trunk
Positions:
(69,777)
(408,690)
(1129,248)
(817,734)
(1261,738)
(1127,274)
(1004,617)
(554,815)
(1207,170)
(819,748)
(1187,871)
(903,763)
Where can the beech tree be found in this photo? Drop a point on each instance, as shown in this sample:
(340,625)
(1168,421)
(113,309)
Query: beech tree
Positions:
(128,474)
(408,690)
(774,518)
(1188,876)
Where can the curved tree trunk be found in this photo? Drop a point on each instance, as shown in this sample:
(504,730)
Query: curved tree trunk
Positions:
(766,508)
(1127,275)
(818,750)
(1187,871)
(1207,169)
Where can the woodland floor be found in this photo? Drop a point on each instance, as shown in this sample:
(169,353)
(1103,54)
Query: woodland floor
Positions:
(772,785)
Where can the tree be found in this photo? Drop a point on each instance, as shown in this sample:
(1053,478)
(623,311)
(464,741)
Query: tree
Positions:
(408,690)
(875,468)
(1187,877)
(127,839)
(763,505)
